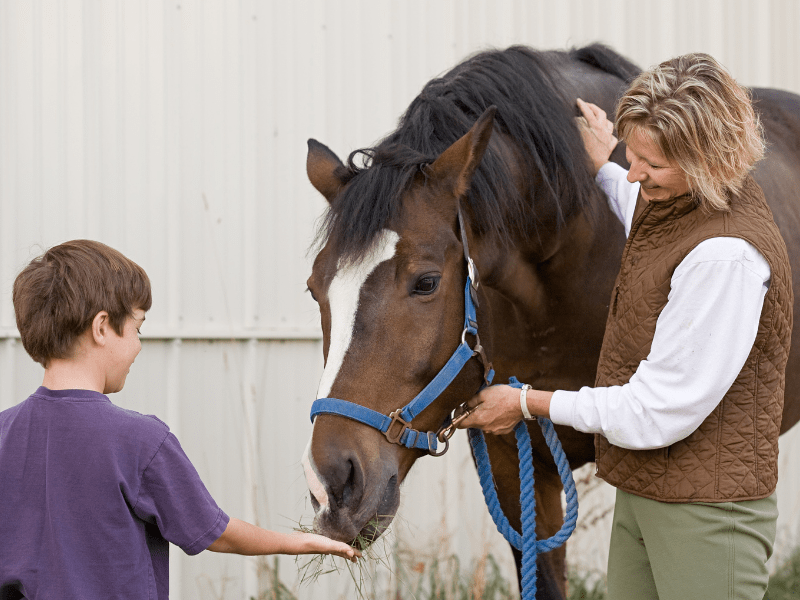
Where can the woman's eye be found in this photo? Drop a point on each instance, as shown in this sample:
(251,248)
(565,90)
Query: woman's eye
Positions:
(426,285)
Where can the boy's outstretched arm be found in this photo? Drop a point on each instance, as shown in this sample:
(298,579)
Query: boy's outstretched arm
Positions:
(241,537)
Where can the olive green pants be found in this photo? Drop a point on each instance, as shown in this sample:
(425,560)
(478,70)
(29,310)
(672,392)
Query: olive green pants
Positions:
(702,551)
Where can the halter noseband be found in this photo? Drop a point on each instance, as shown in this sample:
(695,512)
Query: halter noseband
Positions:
(397,425)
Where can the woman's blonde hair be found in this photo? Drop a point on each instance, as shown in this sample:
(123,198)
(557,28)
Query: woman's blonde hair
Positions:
(701,119)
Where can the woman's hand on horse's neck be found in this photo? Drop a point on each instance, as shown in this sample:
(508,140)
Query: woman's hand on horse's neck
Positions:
(497,408)
(597,133)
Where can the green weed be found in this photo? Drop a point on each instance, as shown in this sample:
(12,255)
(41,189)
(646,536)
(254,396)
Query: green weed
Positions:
(785,583)
(580,588)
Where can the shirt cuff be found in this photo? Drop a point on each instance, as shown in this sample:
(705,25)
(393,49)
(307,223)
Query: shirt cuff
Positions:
(562,407)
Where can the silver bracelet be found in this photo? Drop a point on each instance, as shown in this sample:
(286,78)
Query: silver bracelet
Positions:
(523,402)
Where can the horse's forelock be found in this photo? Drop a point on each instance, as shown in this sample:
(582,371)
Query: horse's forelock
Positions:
(375,181)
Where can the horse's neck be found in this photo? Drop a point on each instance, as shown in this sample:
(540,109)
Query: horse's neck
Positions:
(548,316)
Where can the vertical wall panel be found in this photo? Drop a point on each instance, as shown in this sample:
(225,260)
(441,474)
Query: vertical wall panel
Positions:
(176,132)
(8,152)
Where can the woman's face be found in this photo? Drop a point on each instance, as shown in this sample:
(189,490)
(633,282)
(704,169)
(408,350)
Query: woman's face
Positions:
(661,179)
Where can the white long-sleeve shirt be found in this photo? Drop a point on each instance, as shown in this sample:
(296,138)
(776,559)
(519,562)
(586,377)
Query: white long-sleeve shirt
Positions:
(702,339)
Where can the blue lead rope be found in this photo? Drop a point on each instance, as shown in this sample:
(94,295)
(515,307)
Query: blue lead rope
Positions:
(526,542)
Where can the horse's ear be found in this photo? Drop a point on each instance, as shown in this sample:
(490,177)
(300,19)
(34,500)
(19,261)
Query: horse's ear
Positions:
(323,166)
(455,166)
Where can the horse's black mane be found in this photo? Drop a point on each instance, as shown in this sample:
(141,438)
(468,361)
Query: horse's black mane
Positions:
(524,86)
(604,58)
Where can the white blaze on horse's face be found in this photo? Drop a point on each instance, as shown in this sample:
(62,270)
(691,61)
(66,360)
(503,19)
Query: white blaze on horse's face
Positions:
(343,295)
(315,486)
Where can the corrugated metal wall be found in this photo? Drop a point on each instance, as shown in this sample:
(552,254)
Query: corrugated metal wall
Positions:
(175,132)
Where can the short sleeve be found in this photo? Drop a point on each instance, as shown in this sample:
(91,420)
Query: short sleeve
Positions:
(174,498)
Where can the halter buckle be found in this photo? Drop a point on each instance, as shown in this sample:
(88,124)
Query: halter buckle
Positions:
(396,418)
(472,270)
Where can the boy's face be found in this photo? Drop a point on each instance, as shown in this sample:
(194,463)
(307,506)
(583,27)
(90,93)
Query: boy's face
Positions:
(123,350)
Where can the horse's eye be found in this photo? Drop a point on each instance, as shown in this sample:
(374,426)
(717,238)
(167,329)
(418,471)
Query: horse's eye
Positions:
(426,284)
(313,297)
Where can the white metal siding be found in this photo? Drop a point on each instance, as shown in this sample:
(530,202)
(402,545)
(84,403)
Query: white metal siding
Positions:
(176,132)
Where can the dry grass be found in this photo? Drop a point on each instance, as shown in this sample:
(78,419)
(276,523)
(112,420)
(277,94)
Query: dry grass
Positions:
(362,573)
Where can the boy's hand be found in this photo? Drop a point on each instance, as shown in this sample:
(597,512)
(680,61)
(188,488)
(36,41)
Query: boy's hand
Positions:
(241,537)
(311,543)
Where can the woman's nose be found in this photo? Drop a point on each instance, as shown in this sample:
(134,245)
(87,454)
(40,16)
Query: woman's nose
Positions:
(636,172)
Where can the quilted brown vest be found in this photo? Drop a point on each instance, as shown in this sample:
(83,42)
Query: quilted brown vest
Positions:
(733,455)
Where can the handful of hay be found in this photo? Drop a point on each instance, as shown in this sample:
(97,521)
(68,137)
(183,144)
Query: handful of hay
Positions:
(362,572)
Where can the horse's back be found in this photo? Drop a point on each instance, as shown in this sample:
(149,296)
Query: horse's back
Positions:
(779,176)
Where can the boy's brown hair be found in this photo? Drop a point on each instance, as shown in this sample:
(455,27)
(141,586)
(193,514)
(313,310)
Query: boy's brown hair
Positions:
(58,294)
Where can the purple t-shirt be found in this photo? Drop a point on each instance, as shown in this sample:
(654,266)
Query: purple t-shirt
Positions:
(90,496)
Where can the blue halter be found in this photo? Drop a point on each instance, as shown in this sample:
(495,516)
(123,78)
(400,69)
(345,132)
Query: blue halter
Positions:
(397,425)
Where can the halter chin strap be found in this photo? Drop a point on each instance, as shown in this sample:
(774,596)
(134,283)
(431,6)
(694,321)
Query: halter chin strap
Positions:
(397,425)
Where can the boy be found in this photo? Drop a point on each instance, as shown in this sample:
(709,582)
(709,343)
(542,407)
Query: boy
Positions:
(90,493)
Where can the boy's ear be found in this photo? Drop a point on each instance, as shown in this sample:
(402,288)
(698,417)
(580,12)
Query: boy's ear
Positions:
(100,327)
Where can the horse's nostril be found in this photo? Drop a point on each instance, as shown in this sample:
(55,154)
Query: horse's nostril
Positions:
(314,502)
(350,485)
(390,491)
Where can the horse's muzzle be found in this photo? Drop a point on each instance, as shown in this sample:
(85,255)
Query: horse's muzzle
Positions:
(354,500)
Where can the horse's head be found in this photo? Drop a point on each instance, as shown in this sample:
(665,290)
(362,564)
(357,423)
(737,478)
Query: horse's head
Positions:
(391,299)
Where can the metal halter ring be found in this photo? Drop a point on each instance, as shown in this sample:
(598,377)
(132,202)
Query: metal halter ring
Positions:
(430,444)
(464,337)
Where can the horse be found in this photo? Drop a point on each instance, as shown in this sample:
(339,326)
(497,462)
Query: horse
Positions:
(489,155)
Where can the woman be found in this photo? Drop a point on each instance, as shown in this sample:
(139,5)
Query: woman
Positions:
(688,398)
